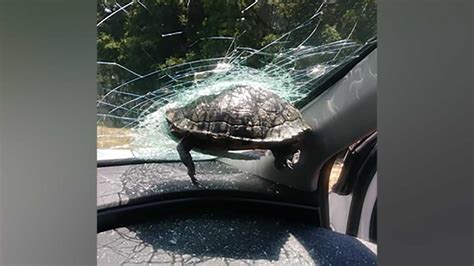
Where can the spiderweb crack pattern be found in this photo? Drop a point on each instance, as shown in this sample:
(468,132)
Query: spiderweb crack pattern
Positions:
(292,68)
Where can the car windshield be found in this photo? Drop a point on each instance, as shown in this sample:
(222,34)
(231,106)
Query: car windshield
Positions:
(155,54)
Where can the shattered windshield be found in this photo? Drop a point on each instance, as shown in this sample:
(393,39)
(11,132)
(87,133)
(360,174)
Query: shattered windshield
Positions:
(155,54)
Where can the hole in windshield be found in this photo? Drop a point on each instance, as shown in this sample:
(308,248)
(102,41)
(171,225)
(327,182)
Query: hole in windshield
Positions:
(154,55)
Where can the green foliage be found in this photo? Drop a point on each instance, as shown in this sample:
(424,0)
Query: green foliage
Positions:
(171,32)
(330,34)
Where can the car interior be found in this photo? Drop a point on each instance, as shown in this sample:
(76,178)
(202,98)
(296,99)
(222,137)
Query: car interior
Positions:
(247,211)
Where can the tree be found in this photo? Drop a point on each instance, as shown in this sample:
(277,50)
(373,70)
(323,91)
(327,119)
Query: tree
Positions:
(172,32)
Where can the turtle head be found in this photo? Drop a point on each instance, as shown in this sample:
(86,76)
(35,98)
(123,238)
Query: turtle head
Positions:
(172,117)
(170,114)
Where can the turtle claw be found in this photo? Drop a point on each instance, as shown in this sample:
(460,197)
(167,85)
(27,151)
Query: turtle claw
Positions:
(196,183)
(294,160)
(194,179)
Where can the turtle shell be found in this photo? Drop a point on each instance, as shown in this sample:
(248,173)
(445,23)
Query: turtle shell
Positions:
(243,113)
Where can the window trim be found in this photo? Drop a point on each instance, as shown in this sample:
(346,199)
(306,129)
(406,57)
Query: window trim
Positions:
(338,73)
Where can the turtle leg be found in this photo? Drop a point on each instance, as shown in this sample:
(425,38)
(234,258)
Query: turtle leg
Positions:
(280,157)
(293,159)
(184,148)
(285,157)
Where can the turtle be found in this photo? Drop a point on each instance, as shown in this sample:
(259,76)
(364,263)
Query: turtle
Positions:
(240,117)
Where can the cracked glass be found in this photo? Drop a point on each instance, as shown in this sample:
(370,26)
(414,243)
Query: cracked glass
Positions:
(153,55)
